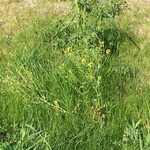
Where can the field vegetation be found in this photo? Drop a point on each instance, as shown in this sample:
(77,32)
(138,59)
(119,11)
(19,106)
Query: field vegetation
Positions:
(74,75)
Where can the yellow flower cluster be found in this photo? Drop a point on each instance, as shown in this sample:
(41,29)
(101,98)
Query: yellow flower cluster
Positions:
(99,78)
(90,64)
(83,61)
(69,49)
(61,66)
(101,44)
(108,51)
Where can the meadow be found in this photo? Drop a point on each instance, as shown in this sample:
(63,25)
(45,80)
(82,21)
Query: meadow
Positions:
(75,79)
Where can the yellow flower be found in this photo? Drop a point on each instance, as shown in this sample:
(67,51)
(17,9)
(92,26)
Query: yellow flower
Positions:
(101,44)
(90,64)
(108,51)
(99,78)
(61,66)
(68,49)
(83,61)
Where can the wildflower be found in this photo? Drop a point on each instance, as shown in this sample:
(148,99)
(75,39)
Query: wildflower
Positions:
(99,78)
(108,51)
(83,61)
(61,66)
(68,49)
(101,44)
(90,64)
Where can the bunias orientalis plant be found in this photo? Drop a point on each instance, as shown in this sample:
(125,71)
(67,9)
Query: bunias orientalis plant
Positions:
(92,18)
(89,25)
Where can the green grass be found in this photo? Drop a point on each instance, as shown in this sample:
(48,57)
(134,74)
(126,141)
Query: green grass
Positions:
(60,89)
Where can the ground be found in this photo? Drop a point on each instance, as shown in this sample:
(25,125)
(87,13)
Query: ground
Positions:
(21,11)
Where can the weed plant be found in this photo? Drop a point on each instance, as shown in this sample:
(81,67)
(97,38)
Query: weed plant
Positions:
(68,85)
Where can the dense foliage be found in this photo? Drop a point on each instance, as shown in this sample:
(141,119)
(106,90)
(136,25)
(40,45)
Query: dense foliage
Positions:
(69,85)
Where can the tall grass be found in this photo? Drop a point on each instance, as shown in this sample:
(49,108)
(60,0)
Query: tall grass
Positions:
(71,84)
